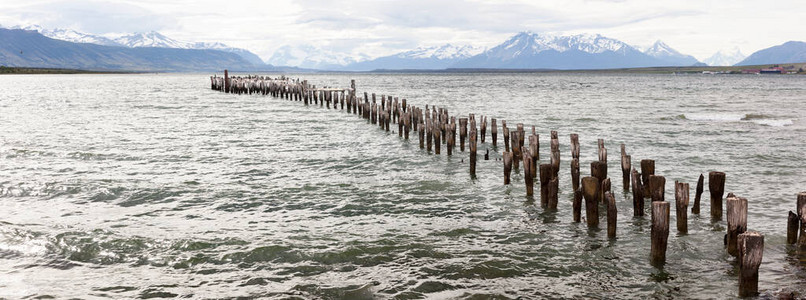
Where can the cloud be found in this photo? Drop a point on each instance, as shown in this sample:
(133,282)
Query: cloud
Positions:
(90,16)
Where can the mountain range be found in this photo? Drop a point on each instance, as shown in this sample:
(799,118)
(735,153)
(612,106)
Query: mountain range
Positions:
(27,48)
(152,51)
(139,39)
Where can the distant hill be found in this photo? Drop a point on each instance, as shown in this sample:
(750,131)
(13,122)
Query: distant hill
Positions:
(423,58)
(528,50)
(789,52)
(24,48)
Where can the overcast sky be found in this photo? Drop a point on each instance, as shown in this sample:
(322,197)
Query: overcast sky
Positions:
(380,27)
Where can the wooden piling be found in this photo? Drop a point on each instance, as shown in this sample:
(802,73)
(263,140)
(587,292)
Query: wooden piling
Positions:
(436,133)
(801,211)
(528,178)
(647,169)
(681,196)
(577,205)
(521,135)
(626,165)
(612,214)
(473,152)
(657,187)
(483,128)
(462,133)
(494,132)
(574,145)
(660,232)
(602,151)
(792,228)
(751,251)
(716,186)
(590,190)
(554,189)
(534,148)
(421,134)
(507,158)
(545,177)
(599,171)
(698,194)
(737,222)
(516,150)
(575,173)
(506,135)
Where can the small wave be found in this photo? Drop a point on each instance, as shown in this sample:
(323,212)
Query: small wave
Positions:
(760,119)
(774,123)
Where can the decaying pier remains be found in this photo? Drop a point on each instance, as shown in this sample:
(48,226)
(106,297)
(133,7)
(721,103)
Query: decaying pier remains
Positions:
(436,127)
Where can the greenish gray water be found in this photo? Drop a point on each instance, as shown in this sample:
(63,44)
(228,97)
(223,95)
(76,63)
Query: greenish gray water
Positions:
(127,186)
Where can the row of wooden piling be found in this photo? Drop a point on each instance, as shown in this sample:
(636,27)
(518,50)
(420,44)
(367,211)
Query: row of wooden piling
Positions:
(435,126)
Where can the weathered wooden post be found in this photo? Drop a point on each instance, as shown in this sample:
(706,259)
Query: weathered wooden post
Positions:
(716,186)
(637,194)
(792,227)
(801,212)
(421,134)
(612,214)
(751,251)
(590,190)
(494,132)
(534,148)
(599,171)
(506,135)
(602,151)
(681,196)
(545,176)
(575,161)
(436,132)
(226,81)
(462,133)
(647,169)
(698,194)
(626,165)
(657,186)
(660,232)
(483,128)
(577,206)
(554,188)
(507,158)
(521,135)
(555,153)
(473,152)
(428,132)
(737,222)
(516,150)
(575,173)
(528,178)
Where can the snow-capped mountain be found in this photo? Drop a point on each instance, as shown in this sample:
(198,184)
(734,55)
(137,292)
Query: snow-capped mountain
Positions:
(72,36)
(527,50)
(725,58)
(444,52)
(423,58)
(136,40)
(307,56)
(672,57)
(151,39)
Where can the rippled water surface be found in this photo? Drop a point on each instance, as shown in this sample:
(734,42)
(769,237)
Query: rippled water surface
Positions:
(127,186)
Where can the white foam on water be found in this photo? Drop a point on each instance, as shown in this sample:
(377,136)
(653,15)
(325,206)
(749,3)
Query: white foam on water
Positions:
(754,118)
(774,122)
(715,117)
